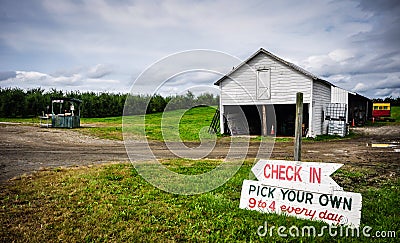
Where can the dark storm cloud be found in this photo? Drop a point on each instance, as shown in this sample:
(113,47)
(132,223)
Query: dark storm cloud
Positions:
(7,75)
(386,21)
(380,5)
(26,12)
(354,44)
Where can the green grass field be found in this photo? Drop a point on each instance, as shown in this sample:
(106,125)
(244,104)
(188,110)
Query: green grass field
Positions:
(28,121)
(188,123)
(192,123)
(395,113)
(112,203)
(178,124)
(189,126)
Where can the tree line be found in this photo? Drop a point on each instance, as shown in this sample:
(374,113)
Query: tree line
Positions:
(390,99)
(16,102)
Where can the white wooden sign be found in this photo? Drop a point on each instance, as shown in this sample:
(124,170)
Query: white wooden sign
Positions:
(287,187)
(309,176)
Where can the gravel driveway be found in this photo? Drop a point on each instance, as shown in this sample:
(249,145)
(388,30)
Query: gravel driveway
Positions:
(24,149)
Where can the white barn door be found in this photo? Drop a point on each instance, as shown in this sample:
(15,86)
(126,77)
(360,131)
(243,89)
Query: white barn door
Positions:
(263,84)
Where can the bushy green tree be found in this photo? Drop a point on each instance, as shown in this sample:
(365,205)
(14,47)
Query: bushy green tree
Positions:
(16,102)
(157,104)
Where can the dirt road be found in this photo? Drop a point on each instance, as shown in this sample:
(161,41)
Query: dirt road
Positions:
(24,149)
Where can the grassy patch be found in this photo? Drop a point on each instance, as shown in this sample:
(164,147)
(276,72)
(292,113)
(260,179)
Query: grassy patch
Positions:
(190,167)
(32,120)
(113,203)
(105,132)
(395,113)
(179,124)
(188,125)
(117,120)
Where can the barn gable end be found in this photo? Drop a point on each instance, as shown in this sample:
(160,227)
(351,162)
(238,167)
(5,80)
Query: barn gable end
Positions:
(265,81)
(285,82)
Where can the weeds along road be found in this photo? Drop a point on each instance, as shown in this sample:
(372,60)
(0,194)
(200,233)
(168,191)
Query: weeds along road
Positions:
(24,149)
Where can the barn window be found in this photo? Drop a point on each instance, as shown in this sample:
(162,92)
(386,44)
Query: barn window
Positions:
(264,84)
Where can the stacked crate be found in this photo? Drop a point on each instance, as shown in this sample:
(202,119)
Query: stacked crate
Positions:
(335,113)
(337,128)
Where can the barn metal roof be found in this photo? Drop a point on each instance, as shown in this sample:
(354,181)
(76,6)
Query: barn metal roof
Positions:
(289,64)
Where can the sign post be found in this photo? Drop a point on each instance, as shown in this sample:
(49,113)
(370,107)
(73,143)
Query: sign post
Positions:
(301,189)
(298,126)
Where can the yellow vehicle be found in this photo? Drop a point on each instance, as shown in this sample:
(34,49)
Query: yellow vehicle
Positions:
(381,110)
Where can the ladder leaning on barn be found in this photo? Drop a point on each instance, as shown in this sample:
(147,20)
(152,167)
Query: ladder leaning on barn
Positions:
(214,126)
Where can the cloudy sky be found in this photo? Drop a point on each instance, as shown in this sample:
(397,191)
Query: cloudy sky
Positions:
(104,45)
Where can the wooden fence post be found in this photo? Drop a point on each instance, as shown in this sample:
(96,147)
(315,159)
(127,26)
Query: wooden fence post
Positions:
(298,126)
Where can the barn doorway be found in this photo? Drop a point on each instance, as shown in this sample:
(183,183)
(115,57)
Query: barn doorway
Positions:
(286,118)
(247,119)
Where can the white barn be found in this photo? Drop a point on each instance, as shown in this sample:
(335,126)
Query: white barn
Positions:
(264,84)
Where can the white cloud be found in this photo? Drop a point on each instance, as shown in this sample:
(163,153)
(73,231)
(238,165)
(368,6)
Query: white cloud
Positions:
(340,55)
(99,71)
(22,75)
(360,87)
(378,85)
(339,78)
(189,81)
(90,79)
(388,92)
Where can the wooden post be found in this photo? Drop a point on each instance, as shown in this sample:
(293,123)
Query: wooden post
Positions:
(264,120)
(298,126)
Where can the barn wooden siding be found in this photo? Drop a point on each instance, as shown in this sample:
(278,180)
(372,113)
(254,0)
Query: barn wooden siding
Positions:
(321,98)
(241,85)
